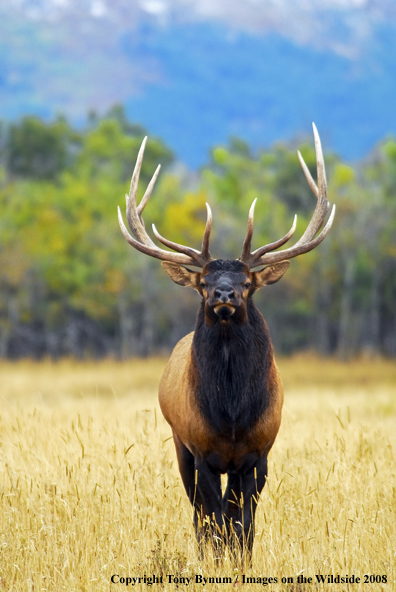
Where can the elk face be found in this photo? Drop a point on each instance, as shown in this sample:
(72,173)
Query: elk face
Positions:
(225,286)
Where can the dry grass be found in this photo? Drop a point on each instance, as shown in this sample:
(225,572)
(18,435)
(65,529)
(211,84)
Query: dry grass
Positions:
(89,484)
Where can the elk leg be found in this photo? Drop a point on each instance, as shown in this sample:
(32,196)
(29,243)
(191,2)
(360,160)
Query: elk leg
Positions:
(186,467)
(208,517)
(203,487)
(240,503)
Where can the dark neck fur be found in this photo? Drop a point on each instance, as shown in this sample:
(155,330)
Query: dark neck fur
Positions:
(231,363)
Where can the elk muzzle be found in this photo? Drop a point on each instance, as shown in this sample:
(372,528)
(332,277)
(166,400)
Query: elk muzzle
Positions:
(224,300)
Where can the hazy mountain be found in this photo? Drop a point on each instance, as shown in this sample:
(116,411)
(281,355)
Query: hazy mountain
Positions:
(196,72)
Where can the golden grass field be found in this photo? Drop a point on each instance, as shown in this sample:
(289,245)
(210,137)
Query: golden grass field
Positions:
(90,488)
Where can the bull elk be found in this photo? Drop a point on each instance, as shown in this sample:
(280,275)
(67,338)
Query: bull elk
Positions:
(221,391)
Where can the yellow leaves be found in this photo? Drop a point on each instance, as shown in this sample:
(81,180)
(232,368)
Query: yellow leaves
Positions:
(46,225)
(114,281)
(13,265)
(391,250)
(220,155)
(342,175)
(185,222)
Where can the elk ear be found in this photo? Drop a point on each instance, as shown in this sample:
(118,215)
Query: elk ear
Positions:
(271,274)
(181,275)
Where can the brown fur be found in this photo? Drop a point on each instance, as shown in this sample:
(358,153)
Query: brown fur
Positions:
(180,409)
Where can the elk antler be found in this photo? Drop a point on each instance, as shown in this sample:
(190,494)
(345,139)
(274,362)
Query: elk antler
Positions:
(307,242)
(142,242)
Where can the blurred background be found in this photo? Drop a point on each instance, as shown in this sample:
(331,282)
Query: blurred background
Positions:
(226,91)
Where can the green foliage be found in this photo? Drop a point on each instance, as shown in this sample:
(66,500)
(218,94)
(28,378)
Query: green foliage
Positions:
(38,150)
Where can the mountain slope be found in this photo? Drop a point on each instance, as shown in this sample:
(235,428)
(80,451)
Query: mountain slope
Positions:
(196,78)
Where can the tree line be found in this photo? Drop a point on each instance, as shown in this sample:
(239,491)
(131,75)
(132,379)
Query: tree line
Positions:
(70,285)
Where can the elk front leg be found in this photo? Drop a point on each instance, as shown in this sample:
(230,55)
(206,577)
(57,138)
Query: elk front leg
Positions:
(240,502)
(186,467)
(208,516)
(203,487)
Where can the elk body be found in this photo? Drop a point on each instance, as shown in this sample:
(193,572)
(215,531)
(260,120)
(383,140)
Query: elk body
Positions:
(221,391)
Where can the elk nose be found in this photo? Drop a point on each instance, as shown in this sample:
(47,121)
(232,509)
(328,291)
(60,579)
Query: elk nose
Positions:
(224,293)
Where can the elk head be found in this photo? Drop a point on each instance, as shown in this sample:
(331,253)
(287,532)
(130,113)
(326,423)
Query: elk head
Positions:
(226,285)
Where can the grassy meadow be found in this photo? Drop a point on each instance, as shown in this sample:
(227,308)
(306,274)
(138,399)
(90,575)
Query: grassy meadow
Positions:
(90,489)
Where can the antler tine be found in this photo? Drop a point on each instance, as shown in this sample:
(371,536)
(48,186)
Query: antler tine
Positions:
(131,198)
(142,241)
(147,194)
(247,256)
(193,253)
(199,257)
(247,243)
(307,174)
(320,166)
(296,250)
(153,251)
(307,242)
(320,191)
(275,245)
(133,211)
(136,171)
(208,227)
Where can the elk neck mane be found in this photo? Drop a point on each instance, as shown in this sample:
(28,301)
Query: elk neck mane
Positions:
(231,363)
